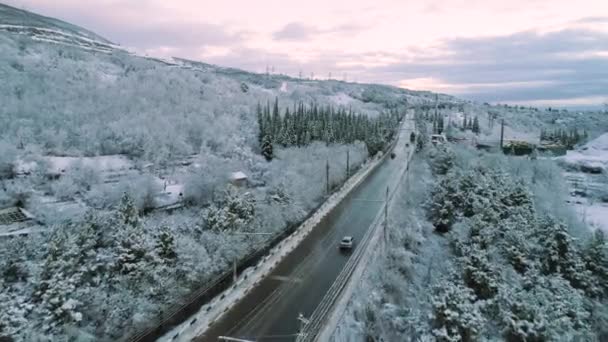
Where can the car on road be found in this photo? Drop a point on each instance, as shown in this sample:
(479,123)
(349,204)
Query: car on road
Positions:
(393,155)
(346,242)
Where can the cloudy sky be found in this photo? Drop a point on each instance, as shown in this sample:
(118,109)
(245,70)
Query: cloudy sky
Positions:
(537,52)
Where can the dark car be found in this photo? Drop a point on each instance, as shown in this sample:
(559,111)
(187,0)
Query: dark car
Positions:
(393,155)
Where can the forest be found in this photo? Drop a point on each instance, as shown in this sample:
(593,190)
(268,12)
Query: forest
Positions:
(305,124)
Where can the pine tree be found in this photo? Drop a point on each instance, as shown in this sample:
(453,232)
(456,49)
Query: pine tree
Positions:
(267,148)
(131,252)
(165,245)
(476,126)
(596,260)
(276,119)
(127,211)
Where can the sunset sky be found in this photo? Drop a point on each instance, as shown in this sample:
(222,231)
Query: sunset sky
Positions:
(537,52)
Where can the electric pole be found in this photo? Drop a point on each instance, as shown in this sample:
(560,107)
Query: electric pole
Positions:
(502,133)
(327,177)
(234,273)
(386,217)
(347,164)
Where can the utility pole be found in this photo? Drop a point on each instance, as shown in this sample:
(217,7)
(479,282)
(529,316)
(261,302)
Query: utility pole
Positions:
(327,177)
(235,275)
(386,217)
(347,164)
(502,133)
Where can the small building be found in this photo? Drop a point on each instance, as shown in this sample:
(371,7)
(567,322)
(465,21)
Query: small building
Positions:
(13,215)
(15,221)
(239,178)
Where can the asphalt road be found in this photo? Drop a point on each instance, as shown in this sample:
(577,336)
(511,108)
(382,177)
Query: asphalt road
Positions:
(299,282)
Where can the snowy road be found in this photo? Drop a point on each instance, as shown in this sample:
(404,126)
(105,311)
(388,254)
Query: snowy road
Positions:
(270,311)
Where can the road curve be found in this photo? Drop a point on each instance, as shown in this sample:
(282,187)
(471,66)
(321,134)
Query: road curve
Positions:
(270,311)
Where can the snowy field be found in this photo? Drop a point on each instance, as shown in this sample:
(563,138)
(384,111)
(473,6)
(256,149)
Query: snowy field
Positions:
(587,176)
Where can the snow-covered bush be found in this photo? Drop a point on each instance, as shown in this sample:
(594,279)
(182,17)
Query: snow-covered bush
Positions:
(65,188)
(234,212)
(442,159)
(8,155)
(456,315)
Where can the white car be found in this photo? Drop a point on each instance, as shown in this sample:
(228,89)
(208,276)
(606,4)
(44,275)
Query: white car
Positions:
(346,243)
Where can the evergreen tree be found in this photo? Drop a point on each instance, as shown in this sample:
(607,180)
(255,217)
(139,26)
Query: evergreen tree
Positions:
(596,260)
(267,148)
(475,127)
(127,211)
(276,119)
(165,245)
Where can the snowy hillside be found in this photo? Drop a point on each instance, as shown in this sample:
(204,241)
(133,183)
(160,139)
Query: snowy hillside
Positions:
(51,30)
(126,164)
(592,156)
(586,171)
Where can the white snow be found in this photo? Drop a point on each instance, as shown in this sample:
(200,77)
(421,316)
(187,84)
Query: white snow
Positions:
(593,214)
(283,87)
(171,194)
(594,154)
(239,175)
(100,163)
(342,99)
(591,156)
(212,311)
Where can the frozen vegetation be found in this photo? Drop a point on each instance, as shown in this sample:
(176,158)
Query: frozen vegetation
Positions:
(127,164)
(483,247)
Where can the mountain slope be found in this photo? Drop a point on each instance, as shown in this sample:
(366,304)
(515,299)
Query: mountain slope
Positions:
(92,135)
(48,29)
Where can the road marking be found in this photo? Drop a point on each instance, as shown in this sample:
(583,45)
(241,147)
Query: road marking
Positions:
(287,279)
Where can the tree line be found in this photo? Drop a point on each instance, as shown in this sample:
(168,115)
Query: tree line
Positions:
(304,124)
(568,138)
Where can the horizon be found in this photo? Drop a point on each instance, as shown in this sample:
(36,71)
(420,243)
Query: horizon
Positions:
(539,53)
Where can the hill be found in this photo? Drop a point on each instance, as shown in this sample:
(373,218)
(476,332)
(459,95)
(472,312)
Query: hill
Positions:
(125,164)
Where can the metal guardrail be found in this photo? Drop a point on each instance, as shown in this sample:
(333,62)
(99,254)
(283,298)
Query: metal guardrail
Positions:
(319,317)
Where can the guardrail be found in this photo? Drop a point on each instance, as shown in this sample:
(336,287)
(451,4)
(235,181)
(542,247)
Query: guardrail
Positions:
(319,317)
(188,306)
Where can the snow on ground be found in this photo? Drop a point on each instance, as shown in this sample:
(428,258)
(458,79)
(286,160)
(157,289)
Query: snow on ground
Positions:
(341,99)
(171,193)
(218,306)
(100,163)
(591,156)
(61,164)
(283,87)
(586,170)
(593,214)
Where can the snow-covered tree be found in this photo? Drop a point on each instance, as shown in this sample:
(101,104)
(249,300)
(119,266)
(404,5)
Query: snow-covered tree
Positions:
(235,212)
(267,148)
(165,245)
(456,315)
(127,211)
